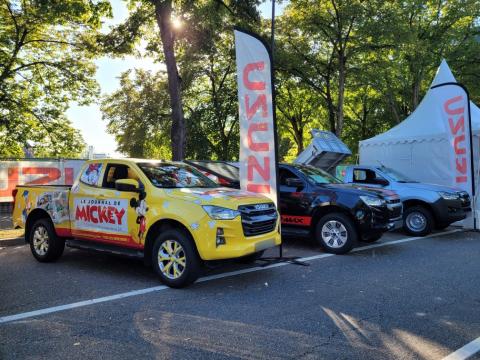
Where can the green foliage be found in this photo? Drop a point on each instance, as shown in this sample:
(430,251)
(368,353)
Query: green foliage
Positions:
(45,62)
(354,67)
(371,62)
(138,115)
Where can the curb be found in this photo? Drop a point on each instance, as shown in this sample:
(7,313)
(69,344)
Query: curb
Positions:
(12,242)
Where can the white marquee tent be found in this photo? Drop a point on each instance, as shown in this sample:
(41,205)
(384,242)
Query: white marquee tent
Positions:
(419,146)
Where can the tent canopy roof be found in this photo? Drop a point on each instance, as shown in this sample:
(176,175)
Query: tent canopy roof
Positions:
(423,124)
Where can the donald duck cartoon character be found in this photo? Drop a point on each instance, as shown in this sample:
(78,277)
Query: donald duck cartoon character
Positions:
(28,206)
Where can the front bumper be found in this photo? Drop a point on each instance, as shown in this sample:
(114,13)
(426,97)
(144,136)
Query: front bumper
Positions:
(236,243)
(382,218)
(449,211)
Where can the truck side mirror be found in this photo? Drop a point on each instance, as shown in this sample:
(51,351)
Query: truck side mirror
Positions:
(294,182)
(130,185)
(382,182)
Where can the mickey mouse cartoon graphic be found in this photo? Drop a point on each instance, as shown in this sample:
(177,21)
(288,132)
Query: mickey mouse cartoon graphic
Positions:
(141,211)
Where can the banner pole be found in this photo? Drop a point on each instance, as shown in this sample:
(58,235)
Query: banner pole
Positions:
(275,133)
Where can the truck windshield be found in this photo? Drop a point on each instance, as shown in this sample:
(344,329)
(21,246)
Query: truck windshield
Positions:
(168,175)
(396,176)
(318,176)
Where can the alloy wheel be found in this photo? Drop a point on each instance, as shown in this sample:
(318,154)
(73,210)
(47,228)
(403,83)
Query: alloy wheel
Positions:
(171,259)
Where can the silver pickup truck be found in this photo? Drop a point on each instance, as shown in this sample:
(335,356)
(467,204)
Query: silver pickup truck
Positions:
(425,206)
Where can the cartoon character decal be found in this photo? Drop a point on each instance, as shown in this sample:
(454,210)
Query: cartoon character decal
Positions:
(54,203)
(91,174)
(28,205)
(141,211)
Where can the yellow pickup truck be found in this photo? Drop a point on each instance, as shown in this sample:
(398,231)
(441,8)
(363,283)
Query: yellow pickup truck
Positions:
(168,213)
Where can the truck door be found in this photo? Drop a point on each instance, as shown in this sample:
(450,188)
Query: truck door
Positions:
(104,214)
(294,199)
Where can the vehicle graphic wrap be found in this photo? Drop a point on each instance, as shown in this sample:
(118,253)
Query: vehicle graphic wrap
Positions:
(108,215)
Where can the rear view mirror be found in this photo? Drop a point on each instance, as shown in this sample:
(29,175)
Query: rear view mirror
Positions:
(294,182)
(130,185)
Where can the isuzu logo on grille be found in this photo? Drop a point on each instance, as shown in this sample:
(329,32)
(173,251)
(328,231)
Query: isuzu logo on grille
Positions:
(262,207)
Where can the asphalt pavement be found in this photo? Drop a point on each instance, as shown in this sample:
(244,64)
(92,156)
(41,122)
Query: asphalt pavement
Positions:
(412,299)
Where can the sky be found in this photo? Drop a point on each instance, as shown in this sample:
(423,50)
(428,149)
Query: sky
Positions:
(88,119)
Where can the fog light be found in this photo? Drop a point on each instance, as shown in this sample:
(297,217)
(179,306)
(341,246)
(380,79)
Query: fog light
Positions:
(220,240)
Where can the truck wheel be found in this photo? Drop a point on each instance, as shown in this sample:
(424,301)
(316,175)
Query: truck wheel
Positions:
(418,221)
(370,238)
(45,245)
(175,259)
(336,233)
(250,258)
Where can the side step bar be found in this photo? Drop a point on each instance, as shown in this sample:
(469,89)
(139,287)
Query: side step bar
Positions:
(104,248)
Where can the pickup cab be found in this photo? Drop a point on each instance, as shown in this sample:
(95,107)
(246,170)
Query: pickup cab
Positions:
(317,205)
(167,213)
(426,206)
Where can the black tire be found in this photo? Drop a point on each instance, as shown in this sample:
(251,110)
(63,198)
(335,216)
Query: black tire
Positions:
(192,263)
(45,245)
(249,259)
(420,215)
(370,238)
(330,244)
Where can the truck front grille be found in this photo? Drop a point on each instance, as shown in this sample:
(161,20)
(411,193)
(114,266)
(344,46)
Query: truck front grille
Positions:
(258,219)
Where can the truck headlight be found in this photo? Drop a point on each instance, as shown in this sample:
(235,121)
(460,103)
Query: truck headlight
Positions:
(373,201)
(448,196)
(220,213)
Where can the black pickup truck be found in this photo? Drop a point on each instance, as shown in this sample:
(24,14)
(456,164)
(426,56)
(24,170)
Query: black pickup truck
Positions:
(313,203)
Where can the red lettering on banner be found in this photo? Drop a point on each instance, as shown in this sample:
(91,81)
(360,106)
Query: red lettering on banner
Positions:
(253,145)
(51,174)
(256,188)
(12,181)
(261,101)
(68,176)
(462,167)
(253,85)
(456,141)
(460,125)
(457,130)
(253,164)
(451,101)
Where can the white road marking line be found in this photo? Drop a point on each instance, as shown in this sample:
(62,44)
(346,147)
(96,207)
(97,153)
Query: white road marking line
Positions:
(29,314)
(466,351)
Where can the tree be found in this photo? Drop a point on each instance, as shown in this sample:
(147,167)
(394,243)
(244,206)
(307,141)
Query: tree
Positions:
(323,38)
(46,62)
(138,114)
(199,58)
(299,110)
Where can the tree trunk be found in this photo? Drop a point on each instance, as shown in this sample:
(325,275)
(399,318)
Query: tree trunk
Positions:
(163,11)
(341,93)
